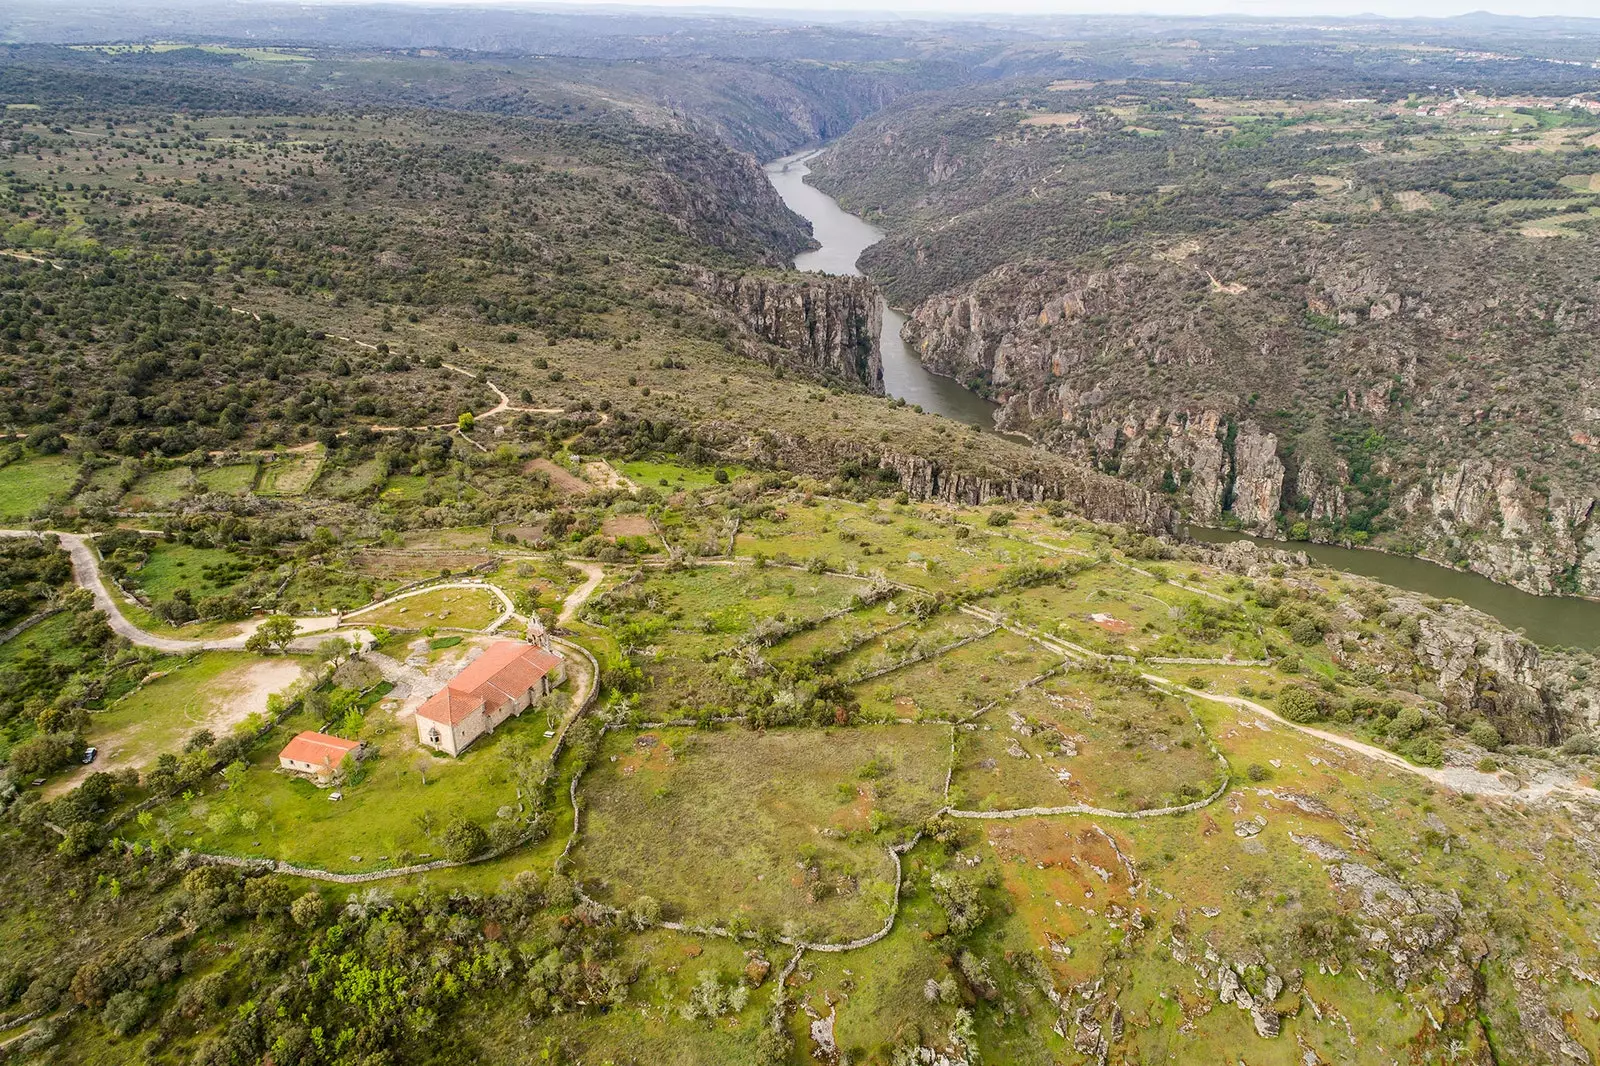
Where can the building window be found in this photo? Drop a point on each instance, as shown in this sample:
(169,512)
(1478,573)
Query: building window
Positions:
(433,735)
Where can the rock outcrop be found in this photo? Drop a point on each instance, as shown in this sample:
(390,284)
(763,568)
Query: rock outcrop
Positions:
(825,328)
(1006,473)
(722,198)
(1354,429)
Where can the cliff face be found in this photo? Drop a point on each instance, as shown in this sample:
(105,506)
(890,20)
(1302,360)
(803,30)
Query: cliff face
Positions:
(1010,474)
(1358,413)
(722,198)
(824,328)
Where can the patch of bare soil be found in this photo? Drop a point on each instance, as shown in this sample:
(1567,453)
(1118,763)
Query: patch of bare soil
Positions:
(627,525)
(561,479)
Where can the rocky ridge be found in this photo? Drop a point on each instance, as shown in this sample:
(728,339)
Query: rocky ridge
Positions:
(1183,383)
(824,327)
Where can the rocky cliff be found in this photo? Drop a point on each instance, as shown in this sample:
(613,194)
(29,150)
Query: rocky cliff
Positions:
(720,197)
(1000,472)
(1356,413)
(825,328)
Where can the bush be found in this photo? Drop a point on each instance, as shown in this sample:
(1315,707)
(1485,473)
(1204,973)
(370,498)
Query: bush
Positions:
(1581,744)
(1484,734)
(1407,722)
(45,754)
(307,910)
(1300,704)
(124,1012)
(462,840)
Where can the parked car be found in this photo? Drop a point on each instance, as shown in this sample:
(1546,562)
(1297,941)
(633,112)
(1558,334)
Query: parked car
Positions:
(89,754)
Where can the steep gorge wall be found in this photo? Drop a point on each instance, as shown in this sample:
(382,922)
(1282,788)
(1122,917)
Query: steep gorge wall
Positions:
(825,328)
(1001,473)
(1220,397)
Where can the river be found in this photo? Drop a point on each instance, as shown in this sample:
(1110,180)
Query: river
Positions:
(843,237)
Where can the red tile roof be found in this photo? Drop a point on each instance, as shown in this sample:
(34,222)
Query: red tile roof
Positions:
(505,670)
(318,749)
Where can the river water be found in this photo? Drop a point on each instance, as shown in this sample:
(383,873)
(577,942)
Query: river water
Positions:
(843,237)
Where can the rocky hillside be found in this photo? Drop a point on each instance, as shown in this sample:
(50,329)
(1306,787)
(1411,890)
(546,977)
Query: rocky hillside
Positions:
(1317,322)
(819,327)
(1360,399)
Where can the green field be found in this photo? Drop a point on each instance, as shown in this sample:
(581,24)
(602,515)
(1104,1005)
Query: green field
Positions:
(1083,739)
(289,475)
(387,817)
(235,479)
(216,690)
(957,684)
(202,571)
(668,476)
(450,608)
(783,830)
(29,484)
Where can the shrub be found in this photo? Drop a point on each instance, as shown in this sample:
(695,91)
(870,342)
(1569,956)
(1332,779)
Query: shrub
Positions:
(463,839)
(308,909)
(1300,704)
(45,754)
(1581,744)
(1484,734)
(124,1012)
(1407,722)
(957,894)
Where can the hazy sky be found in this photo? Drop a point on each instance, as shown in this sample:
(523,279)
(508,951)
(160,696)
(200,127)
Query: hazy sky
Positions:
(1392,8)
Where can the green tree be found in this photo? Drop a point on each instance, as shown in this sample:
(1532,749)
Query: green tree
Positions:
(276,631)
(1300,704)
(463,839)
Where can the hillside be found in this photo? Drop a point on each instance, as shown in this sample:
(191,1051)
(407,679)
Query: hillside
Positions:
(1359,320)
(335,358)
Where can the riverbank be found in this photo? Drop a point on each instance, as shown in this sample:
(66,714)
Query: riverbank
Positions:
(1553,621)
(1549,620)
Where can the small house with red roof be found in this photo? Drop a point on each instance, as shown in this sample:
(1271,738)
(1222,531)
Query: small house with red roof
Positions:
(317,755)
(508,678)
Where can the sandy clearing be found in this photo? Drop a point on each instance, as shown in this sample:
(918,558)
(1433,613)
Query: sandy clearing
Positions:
(232,698)
(561,479)
(607,477)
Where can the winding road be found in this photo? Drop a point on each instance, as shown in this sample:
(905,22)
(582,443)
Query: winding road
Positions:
(312,629)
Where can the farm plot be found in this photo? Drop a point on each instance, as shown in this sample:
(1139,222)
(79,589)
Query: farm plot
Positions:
(1120,611)
(837,636)
(289,475)
(162,488)
(956,684)
(905,544)
(235,479)
(347,482)
(1083,738)
(452,608)
(28,485)
(783,830)
(201,571)
(703,610)
(919,640)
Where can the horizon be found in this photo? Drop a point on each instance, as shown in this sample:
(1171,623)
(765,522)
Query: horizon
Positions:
(853,10)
